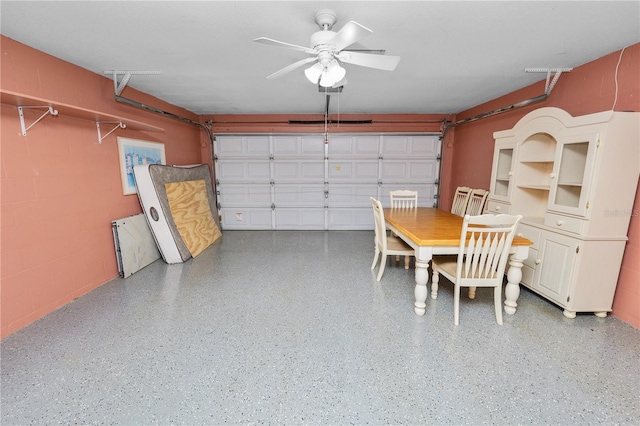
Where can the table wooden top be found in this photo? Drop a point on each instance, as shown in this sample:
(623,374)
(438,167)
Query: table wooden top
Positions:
(427,226)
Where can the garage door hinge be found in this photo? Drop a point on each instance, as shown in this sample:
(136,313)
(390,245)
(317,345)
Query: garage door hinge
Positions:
(439,157)
(215,157)
(379,183)
(271,157)
(326,194)
(272,182)
(219,206)
(217,182)
(380,157)
(273,206)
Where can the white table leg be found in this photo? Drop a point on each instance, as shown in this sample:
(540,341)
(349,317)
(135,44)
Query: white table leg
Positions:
(514,276)
(423,257)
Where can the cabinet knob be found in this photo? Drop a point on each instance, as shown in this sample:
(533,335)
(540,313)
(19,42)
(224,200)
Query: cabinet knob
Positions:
(510,173)
(498,208)
(552,175)
(538,261)
(560,222)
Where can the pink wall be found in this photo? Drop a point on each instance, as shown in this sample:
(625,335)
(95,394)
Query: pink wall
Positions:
(61,188)
(587,89)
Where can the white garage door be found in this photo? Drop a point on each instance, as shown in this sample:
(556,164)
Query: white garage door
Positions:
(300,182)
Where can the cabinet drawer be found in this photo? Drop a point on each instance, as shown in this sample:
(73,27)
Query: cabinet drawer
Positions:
(497,208)
(527,275)
(565,223)
(531,234)
(532,260)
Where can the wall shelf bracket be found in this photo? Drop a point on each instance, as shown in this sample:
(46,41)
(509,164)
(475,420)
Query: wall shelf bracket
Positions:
(550,82)
(120,124)
(49,110)
(119,87)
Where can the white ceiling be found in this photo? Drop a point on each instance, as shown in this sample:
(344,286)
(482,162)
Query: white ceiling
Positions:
(455,54)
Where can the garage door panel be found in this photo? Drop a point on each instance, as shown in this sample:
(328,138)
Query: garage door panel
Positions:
(244,195)
(412,146)
(246,218)
(355,171)
(243,171)
(294,218)
(298,171)
(354,146)
(298,146)
(299,195)
(410,171)
(423,171)
(243,146)
(351,219)
(348,195)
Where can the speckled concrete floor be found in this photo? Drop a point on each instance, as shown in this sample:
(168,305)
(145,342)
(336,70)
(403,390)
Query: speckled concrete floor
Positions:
(291,328)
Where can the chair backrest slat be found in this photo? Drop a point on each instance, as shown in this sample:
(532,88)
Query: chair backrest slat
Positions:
(403,199)
(460,200)
(477,200)
(484,246)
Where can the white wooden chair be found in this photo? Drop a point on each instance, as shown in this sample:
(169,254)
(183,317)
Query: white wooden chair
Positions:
(386,245)
(403,199)
(475,207)
(460,200)
(477,198)
(485,241)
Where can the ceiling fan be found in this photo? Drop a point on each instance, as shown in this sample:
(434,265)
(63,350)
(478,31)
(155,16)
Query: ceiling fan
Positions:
(328,50)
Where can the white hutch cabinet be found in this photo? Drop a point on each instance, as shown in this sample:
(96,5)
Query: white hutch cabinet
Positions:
(574,180)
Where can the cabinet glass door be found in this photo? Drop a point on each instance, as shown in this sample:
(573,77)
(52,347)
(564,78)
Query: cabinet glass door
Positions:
(502,173)
(572,174)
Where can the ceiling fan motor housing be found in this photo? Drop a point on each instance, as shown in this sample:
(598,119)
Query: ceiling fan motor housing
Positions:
(325,18)
(320,39)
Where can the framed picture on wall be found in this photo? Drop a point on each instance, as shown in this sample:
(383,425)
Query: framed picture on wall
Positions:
(133,152)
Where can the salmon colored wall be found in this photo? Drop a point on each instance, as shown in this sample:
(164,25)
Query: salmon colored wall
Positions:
(587,89)
(61,188)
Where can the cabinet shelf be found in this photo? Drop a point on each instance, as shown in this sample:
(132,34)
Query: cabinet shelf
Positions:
(538,187)
(537,161)
(579,184)
(27,101)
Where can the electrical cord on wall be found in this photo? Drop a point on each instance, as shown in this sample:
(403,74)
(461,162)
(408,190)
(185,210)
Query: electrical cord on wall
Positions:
(615,99)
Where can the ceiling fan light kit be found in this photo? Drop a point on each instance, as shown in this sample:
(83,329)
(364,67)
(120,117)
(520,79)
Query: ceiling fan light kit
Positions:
(327,47)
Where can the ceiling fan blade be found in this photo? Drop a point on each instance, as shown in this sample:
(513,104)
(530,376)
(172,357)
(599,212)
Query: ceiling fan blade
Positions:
(272,42)
(381,62)
(292,67)
(352,32)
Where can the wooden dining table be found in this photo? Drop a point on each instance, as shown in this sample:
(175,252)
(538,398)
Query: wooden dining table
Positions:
(431,231)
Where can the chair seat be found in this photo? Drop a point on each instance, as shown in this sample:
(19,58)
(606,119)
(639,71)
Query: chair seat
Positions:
(395,244)
(447,266)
